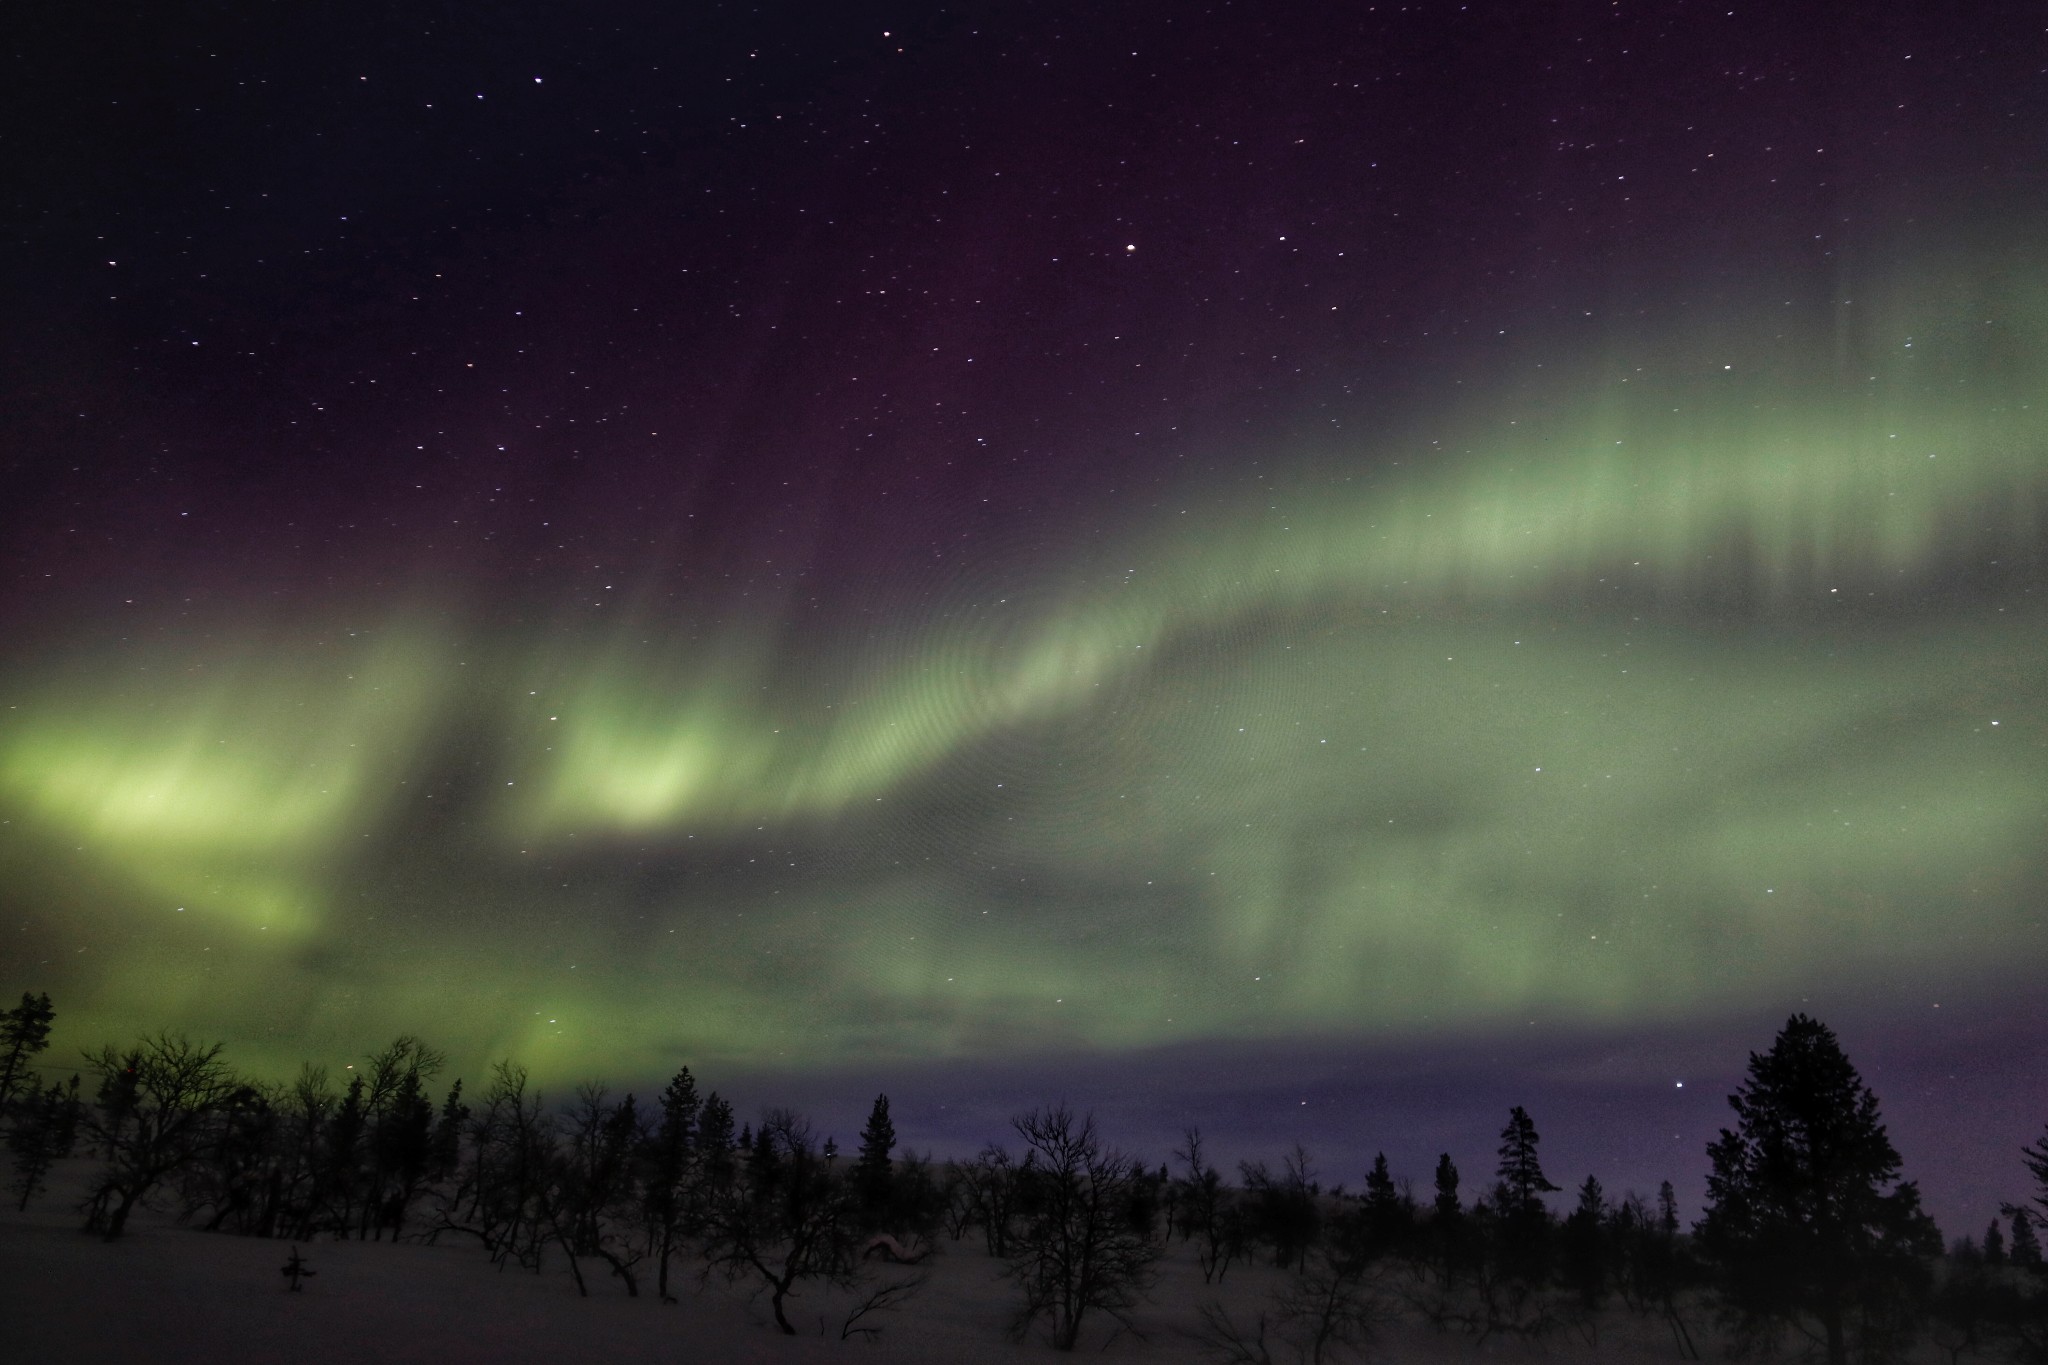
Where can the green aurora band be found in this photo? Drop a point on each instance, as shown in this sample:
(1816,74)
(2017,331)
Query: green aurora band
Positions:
(1643,692)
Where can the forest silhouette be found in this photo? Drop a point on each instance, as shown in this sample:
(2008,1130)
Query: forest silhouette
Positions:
(1810,1239)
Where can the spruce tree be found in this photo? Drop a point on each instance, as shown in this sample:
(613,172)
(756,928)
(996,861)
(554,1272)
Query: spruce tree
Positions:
(401,1147)
(35,1140)
(669,1165)
(447,1139)
(1667,1210)
(24,1031)
(1592,1205)
(679,1111)
(2026,1247)
(872,1172)
(1384,1218)
(714,1167)
(1447,1230)
(1799,1217)
(1585,1249)
(1520,1171)
(1994,1244)
(1446,1188)
(2036,1159)
(1380,1195)
(341,1177)
(764,1166)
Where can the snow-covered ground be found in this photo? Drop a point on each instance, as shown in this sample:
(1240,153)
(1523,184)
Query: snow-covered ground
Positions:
(165,1293)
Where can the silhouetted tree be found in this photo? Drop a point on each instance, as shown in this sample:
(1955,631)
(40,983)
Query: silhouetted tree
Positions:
(883,1298)
(399,1148)
(917,1199)
(500,1197)
(39,1136)
(341,1169)
(2028,1313)
(590,1195)
(229,1182)
(1799,1219)
(1978,1304)
(1450,1237)
(670,1165)
(803,1230)
(115,1102)
(1650,1268)
(992,1179)
(1385,1221)
(163,1093)
(2036,1159)
(1282,1209)
(715,1170)
(1493,1259)
(1143,1206)
(1203,1208)
(2025,1312)
(872,1172)
(959,1210)
(1076,1252)
(445,1146)
(1328,1313)
(764,1164)
(1667,1209)
(402,1153)
(1586,1246)
(1994,1244)
(1446,1202)
(1520,1170)
(24,1032)
(1522,1228)
(305,1108)
(2026,1247)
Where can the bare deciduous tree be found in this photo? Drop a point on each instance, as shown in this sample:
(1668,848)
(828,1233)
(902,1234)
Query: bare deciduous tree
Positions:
(1078,1249)
(992,1189)
(794,1223)
(163,1093)
(591,1192)
(885,1297)
(1203,1214)
(1331,1312)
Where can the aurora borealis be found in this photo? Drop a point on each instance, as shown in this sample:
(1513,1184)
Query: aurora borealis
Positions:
(836,545)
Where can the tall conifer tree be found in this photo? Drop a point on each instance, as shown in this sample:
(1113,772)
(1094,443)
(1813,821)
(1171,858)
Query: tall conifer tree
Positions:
(1520,1171)
(1446,1187)
(2026,1247)
(872,1173)
(24,1031)
(1799,1216)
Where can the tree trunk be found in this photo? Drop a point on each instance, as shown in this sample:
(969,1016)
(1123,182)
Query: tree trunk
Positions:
(118,1219)
(621,1268)
(576,1269)
(1686,1350)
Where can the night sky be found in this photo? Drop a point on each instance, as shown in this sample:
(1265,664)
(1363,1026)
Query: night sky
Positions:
(1323,572)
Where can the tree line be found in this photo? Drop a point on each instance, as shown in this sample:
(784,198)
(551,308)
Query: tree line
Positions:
(1809,1237)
